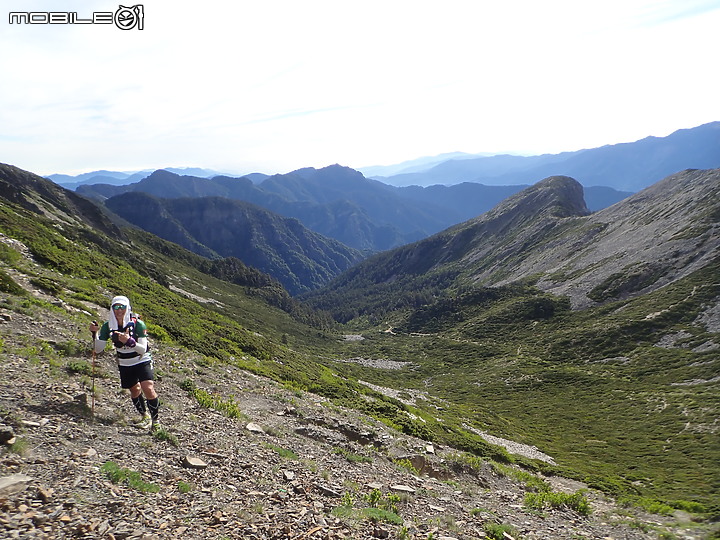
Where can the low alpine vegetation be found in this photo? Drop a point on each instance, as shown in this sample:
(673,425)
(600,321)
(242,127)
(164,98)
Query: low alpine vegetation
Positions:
(380,508)
(551,499)
(351,456)
(228,407)
(119,475)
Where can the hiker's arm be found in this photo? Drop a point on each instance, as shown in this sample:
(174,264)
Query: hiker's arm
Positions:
(141,345)
(99,345)
(100,337)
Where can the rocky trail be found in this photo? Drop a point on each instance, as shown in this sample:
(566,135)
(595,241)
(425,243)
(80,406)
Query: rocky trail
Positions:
(241,457)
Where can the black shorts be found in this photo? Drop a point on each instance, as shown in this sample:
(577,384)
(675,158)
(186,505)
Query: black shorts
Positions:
(131,375)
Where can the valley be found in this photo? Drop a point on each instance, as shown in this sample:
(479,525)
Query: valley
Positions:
(461,334)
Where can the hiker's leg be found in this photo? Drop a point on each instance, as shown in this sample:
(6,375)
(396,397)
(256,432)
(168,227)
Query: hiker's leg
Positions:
(153,402)
(137,398)
(148,389)
(135,390)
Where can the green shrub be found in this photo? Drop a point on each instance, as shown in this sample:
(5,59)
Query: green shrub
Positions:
(9,255)
(497,531)
(352,457)
(283,452)
(389,502)
(184,487)
(188,385)
(162,434)
(407,465)
(651,505)
(380,515)
(8,285)
(550,499)
(689,506)
(20,447)
(72,348)
(129,477)
(81,367)
(48,285)
(212,401)
(158,333)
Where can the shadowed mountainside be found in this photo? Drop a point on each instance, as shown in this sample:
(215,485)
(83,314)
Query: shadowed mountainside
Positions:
(297,257)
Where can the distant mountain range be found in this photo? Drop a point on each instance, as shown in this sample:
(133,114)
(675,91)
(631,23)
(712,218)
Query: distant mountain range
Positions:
(416,165)
(424,196)
(116,178)
(624,167)
(340,203)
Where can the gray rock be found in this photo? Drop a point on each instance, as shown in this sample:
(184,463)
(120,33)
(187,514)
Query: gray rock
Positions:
(14,483)
(194,463)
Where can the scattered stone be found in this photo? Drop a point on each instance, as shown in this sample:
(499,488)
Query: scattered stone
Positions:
(44,494)
(14,483)
(7,435)
(403,489)
(194,462)
(254,428)
(90,452)
(328,492)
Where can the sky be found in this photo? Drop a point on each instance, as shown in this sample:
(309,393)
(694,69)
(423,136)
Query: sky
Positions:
(275,85)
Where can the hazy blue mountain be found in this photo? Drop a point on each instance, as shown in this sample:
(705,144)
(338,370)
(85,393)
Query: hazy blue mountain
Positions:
(415,165)
(116,178)
(336,202)
(624,167)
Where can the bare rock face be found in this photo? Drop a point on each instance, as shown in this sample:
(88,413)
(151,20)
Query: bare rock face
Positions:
(647,241)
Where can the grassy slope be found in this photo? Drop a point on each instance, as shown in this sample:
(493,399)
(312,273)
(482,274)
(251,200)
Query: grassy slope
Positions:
(530,381)
(592,388)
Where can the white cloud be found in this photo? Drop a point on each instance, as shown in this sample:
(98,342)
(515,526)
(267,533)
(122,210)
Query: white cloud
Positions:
(281,84)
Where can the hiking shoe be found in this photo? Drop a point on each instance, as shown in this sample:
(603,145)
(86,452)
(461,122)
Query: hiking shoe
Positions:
(155,426)
(143,421)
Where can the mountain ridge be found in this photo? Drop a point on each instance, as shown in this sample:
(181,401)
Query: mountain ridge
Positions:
(539,231)
(624,167)
(213,226)
(341,203)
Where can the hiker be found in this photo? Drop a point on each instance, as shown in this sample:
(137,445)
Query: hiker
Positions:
(129,336)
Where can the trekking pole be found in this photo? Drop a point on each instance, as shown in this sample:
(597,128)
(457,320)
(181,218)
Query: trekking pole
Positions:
(92,371)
